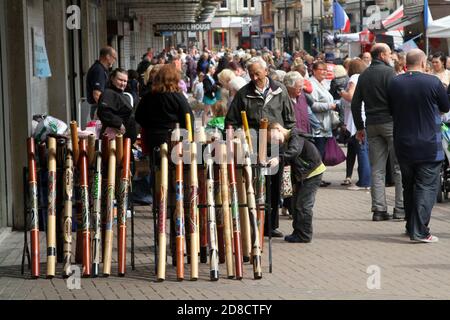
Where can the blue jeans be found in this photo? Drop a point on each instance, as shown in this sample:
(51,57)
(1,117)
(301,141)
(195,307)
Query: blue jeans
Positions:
(420,188)
(361,152)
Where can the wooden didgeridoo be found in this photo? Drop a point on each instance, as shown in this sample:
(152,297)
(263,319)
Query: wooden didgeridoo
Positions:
(123,207)
(111,187)
(34,209)
(163,193)
(51,209)
(227,232)
(84,208)
(67,222)
(193,202)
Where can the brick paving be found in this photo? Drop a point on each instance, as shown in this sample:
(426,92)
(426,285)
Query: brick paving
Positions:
(334,266)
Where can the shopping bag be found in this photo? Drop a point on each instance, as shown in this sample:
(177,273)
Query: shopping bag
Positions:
(286,183)
(333,153)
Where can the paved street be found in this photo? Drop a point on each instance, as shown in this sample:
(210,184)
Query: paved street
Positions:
(334,266)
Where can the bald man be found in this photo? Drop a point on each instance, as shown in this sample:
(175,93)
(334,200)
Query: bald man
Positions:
(97,77)
(372,91)
(417,101)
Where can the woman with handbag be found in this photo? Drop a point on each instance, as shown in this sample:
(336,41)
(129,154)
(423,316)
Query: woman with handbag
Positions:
(355,149)
(323,105)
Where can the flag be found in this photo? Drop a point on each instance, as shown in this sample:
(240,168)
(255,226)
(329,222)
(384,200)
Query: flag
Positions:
(340,18)
(427,18)
(409,45)
(397,15)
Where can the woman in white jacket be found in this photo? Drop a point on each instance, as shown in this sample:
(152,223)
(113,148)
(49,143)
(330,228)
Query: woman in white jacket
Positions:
(323,105)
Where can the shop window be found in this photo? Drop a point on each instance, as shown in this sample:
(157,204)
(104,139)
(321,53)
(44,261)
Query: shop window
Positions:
(224,5)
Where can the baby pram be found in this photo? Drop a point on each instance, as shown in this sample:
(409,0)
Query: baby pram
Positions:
(445,169)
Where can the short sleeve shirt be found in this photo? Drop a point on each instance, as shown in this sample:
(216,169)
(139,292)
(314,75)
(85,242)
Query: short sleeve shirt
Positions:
(96,79)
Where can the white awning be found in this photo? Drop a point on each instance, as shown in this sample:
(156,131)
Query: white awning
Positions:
(439,28)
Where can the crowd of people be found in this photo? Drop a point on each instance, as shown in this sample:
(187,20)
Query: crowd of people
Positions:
(384,105)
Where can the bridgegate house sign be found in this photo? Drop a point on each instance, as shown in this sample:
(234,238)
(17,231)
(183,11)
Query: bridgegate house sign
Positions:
(160,27)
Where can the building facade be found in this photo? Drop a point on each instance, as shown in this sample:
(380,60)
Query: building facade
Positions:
(236,23)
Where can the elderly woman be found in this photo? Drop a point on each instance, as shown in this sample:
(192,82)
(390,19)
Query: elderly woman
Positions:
(114,108)
(234,86)
(305,119)
(225,76)
(323,105)
(162,108)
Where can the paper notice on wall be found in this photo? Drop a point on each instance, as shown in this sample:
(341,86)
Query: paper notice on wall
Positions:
(246,30)
(40,58)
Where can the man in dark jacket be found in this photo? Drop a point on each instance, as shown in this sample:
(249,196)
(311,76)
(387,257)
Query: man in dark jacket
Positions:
(307,170)
(372,90)
(263,98)
(417,101)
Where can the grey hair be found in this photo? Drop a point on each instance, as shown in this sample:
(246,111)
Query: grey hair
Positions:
(291,78)
(257,60)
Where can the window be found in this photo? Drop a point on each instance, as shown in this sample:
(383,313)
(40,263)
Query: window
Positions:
(220,38)
(296,18)
(224,4)
(246,2)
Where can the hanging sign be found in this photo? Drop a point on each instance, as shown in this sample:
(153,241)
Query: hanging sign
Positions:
(40,58)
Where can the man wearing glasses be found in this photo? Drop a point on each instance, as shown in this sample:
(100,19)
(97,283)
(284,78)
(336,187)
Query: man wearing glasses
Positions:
(97,77)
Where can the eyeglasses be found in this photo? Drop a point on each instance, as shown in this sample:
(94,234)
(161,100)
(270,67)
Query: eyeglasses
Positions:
(322,69)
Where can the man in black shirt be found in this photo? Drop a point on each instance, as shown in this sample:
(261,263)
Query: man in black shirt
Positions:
(372,90)
(97,77)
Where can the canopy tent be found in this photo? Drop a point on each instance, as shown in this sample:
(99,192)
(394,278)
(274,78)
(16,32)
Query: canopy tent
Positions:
(367,37)
(439,28)
(348,37)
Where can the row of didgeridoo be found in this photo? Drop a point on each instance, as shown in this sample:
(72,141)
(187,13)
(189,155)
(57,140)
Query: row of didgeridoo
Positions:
(87,166)
(226,217)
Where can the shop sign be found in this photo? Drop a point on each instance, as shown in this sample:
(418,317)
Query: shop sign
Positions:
(182,27)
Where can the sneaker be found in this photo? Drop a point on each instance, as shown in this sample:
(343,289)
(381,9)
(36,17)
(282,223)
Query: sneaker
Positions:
(347,182)
(293,238)
(324,184)
(356,188)
(380,216)
(429,239)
